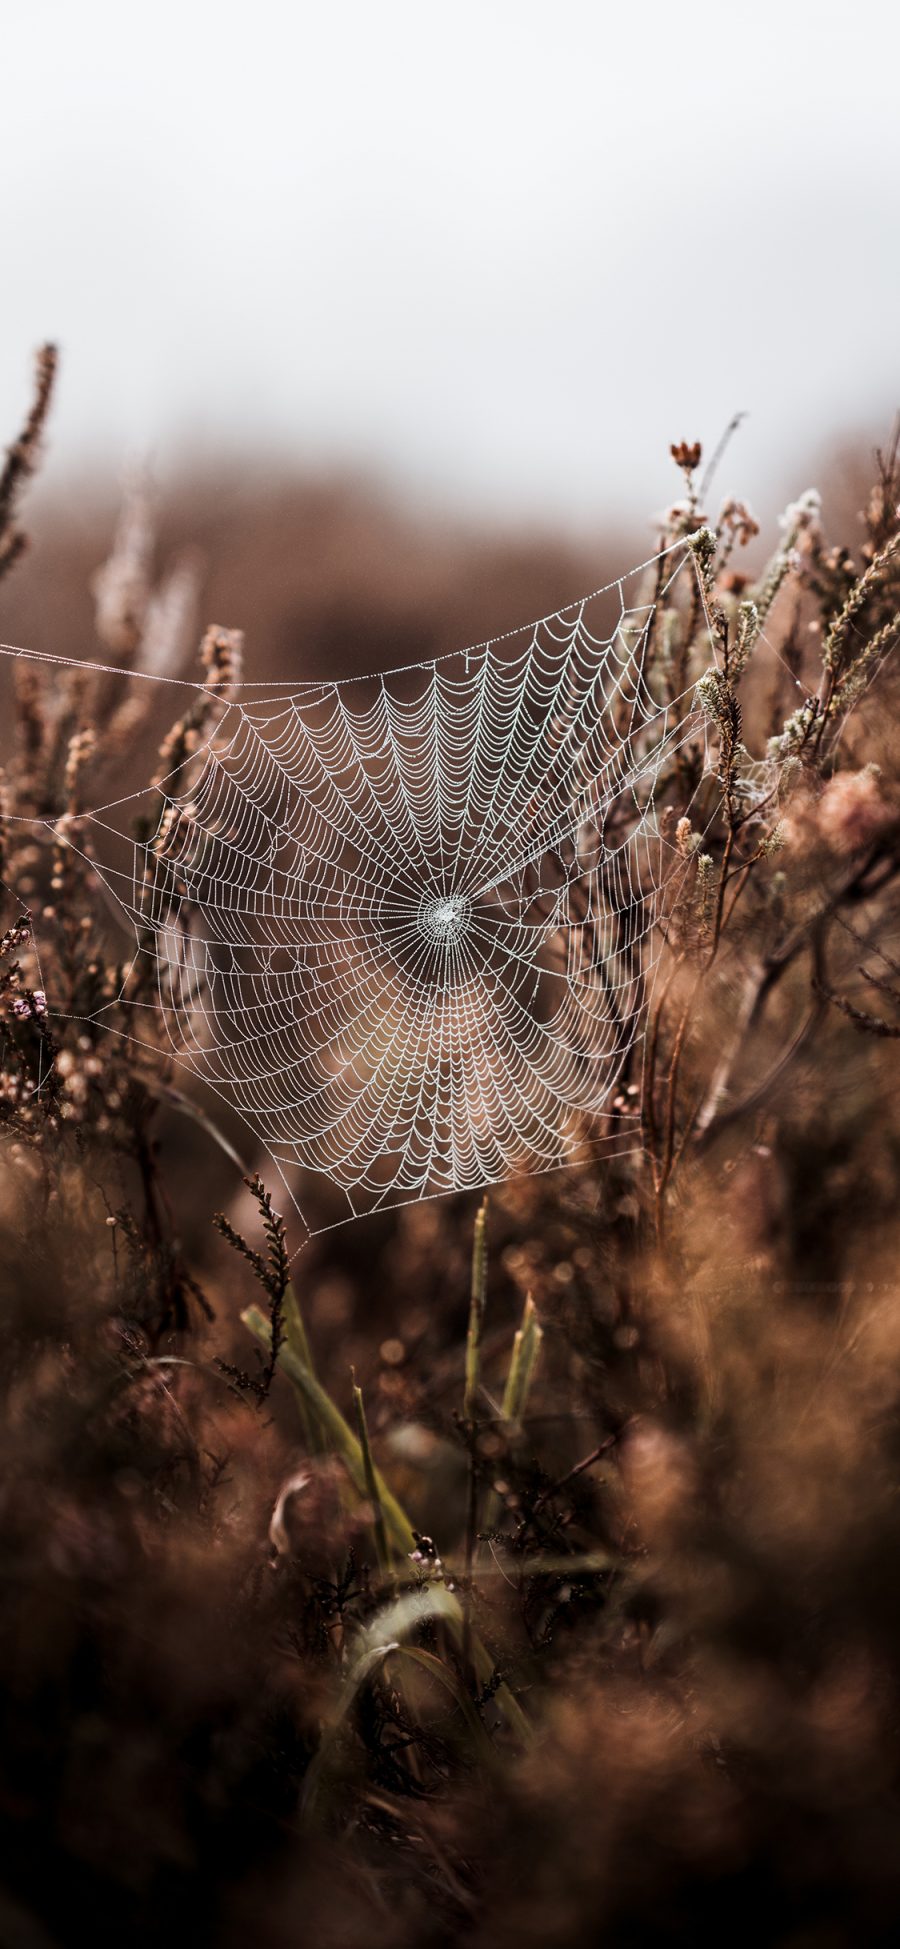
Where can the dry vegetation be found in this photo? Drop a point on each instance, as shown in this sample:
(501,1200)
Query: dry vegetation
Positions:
(575,1617)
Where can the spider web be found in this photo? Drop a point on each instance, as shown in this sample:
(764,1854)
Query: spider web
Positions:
(405,925)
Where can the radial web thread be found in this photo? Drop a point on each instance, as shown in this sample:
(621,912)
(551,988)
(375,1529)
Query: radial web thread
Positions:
(405,924)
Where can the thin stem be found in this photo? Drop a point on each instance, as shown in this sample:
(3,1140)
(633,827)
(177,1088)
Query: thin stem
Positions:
(382,1547)
(477,1305)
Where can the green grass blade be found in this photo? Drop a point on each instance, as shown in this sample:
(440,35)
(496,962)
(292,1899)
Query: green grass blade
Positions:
(451,1682)
(382,1549)
(399,1529)
(523,1361)
(295,1329)
(360,1671)
(330,1419)
(526,1348)
(297,1339)
(381,1636)
(477,1302)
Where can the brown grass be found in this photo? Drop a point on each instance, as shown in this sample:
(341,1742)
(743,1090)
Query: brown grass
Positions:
(638,1682)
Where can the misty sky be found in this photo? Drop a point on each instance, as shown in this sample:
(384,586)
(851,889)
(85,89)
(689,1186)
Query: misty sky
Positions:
(497,252)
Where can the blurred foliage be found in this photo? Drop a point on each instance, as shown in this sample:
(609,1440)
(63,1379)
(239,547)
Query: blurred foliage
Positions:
(544,1592)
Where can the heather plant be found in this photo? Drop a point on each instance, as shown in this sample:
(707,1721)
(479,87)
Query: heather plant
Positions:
(523,1573)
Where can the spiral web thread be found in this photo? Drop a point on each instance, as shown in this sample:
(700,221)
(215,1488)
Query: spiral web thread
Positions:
(405,924)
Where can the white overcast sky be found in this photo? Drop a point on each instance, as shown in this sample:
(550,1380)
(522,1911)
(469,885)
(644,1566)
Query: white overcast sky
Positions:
(497,251)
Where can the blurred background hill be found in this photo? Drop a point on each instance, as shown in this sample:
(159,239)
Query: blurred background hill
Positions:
(325,576)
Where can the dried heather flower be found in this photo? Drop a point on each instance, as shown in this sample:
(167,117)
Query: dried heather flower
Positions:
(686,454)
(801,516)
(851,810)
(738,520)
(81,749)
(22,459)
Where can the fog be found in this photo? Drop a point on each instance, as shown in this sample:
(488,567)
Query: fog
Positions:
(497,255)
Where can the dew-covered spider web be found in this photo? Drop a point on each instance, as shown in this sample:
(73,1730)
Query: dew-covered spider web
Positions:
(405,924)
